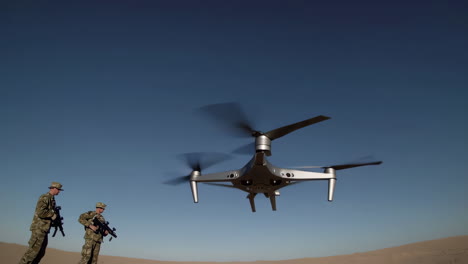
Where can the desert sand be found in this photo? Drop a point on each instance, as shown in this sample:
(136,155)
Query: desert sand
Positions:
(452,250)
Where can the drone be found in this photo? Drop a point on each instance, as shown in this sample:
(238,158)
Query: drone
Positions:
(258,176)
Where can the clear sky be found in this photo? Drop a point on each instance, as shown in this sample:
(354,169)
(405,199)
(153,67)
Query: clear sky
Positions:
(101,96)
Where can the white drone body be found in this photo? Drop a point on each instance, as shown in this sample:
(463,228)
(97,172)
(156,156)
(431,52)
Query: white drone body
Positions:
(259,175)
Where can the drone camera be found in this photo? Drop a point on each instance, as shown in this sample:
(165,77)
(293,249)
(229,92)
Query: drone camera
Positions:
(276,182)
(246,182)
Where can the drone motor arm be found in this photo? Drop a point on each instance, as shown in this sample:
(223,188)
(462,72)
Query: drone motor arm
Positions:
(196,177)
(298,175)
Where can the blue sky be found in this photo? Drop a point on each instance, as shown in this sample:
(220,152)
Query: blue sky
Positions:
(101,96)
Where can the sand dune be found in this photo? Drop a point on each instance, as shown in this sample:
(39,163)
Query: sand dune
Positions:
(452,250)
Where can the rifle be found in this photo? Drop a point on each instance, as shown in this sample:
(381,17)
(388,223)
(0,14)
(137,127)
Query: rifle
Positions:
(103,227)
(58,222)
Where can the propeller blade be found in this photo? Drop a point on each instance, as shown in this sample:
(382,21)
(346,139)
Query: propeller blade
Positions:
(178,180)
(231,116)
(202,160)
(198,161)
(307,167)
(279,132)
(220,184)
(246,149)
(364,161)
(352,165)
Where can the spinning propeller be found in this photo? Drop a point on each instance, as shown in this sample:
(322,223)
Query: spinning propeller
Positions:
(233,118)
(353,165)
(198,161)
(342,166)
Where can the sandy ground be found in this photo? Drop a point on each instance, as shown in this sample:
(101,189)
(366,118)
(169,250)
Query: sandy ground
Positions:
(452,250)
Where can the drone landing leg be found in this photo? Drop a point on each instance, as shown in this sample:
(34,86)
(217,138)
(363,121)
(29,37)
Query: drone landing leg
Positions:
(331,189)
(251,197)
(193,186)
(273,201)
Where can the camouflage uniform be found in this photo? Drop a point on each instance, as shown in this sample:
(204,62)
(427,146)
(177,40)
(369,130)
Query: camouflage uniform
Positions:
(40,229)
(93,240)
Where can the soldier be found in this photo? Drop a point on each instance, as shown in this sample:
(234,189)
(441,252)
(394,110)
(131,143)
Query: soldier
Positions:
(41,223)
(93,236)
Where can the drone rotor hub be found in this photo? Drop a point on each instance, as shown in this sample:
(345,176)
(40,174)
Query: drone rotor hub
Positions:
(263,143)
